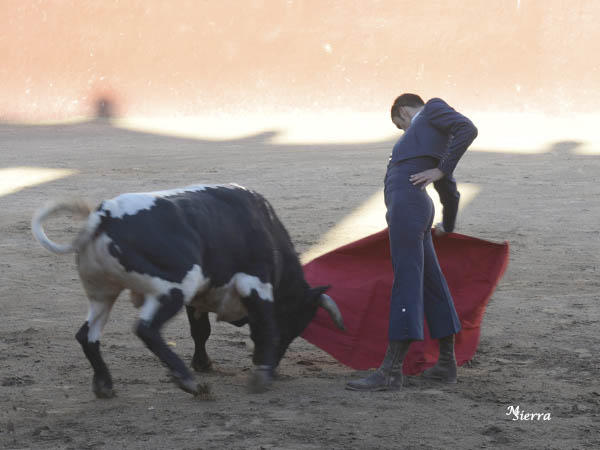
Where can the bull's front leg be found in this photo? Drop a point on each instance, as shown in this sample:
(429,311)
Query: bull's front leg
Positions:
(154,314)
(265,335)
(200,330)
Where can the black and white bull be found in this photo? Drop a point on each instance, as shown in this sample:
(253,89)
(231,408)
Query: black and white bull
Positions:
(213,248)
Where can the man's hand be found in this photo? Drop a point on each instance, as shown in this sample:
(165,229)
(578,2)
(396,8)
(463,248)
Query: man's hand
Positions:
(438,230)
(426,177)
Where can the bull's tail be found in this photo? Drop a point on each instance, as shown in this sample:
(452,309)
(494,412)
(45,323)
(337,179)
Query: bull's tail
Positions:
(77,207)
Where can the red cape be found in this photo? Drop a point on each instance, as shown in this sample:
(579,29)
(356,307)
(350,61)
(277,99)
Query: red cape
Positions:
(360,275)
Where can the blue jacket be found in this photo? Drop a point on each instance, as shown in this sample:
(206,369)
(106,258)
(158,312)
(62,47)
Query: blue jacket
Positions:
(437,131)
(441,132)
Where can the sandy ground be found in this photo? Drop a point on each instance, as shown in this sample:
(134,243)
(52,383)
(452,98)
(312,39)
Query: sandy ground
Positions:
(539,340)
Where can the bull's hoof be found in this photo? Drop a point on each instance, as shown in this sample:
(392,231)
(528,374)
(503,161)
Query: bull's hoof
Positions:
(202,365)
(105,392)
(187,384)
(103,387)
(260,380)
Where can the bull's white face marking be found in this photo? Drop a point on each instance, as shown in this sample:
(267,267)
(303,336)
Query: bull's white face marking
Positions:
(130,204)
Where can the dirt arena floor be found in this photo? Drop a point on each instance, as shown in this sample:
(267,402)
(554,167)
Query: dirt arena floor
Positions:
(539,344)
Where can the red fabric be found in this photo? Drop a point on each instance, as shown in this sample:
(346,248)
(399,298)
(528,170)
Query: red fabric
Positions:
(360,275)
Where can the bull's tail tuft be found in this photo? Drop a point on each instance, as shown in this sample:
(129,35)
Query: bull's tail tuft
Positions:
(77,207)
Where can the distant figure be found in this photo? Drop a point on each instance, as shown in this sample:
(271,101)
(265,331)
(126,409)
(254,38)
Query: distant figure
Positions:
(435,137)
(105,108)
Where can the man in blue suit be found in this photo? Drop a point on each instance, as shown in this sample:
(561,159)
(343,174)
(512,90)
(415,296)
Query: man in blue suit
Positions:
(435,137)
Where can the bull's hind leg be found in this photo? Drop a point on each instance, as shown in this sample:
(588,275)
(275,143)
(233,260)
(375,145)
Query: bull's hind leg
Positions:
(200,329)
(89,338)
(154,314)
(265,335)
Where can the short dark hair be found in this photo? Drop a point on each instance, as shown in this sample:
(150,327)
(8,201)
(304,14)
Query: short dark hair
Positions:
(406,100)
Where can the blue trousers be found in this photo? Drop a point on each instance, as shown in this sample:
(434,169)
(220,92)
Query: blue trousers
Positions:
(420,291)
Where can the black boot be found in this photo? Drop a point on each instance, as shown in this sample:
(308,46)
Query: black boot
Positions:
(445,368)
(389,375)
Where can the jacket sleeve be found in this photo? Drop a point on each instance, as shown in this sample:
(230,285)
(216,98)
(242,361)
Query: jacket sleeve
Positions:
(449,198)
(450,122)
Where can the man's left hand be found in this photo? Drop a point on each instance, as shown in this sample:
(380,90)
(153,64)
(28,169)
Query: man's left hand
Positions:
(426,177)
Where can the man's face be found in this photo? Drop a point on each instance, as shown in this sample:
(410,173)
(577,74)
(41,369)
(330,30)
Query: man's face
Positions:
(402,119)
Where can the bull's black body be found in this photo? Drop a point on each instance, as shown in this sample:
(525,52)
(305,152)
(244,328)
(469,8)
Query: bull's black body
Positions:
(224,230)
(200,247)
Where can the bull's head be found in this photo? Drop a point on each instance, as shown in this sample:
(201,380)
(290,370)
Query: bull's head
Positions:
(293,321)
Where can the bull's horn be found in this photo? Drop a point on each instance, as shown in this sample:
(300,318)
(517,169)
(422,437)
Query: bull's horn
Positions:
(329,305)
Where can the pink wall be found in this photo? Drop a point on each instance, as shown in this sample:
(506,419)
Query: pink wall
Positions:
(195,57)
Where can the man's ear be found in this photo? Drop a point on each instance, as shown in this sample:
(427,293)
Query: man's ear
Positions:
(403,113)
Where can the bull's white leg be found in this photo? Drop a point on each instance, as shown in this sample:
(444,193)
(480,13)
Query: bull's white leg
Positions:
(97,317)
(149,308)
(89,338)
